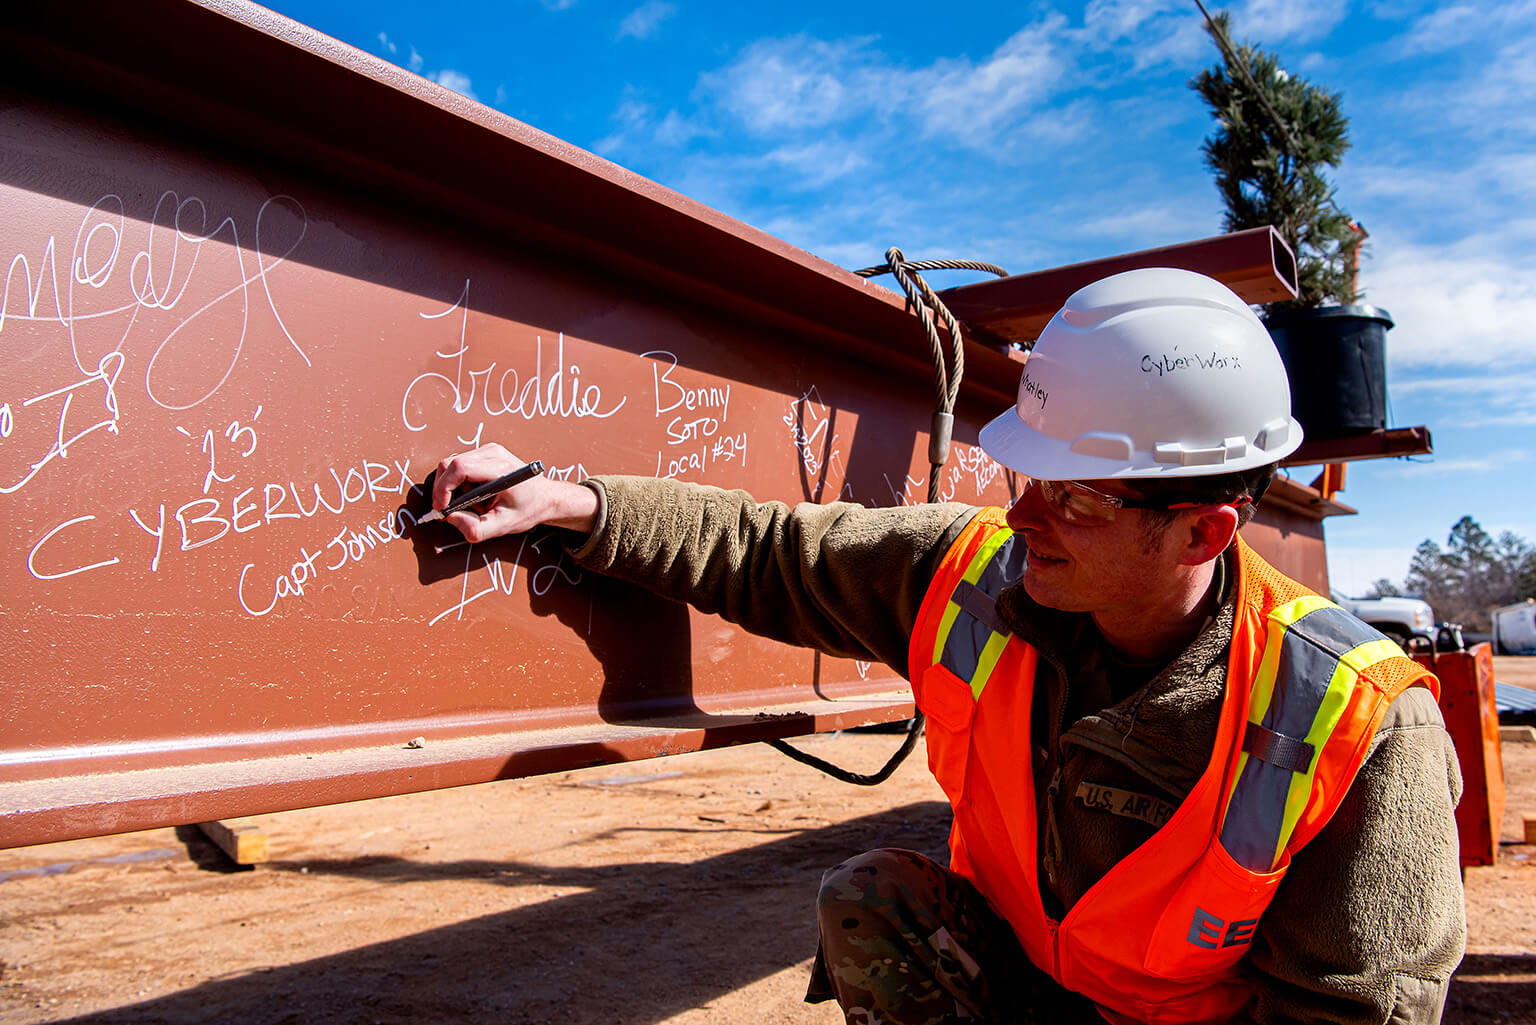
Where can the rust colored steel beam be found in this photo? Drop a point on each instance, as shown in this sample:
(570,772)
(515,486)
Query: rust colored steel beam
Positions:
(260,283)
(1293,494)
(1287,530)
(1391,443)
(250,324)
(1256,264)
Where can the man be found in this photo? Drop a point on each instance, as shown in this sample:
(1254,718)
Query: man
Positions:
(1185,788)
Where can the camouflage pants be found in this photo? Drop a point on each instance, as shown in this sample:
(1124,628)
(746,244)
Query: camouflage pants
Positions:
(905,941)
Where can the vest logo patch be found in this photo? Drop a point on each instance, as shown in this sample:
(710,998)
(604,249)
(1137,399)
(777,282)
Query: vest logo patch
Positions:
(1151,810)
(1208,931)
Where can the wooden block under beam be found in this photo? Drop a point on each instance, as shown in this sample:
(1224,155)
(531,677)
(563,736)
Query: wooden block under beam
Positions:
(244,842)
(1530,829)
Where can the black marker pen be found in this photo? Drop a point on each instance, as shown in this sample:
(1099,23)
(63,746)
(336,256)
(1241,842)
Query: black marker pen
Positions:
(460,502)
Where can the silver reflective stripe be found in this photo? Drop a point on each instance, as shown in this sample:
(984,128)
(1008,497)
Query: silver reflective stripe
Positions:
(977,619)
(1310,650)
(1334,628)
(1006,567)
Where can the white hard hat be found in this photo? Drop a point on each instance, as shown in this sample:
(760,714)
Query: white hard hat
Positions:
(1150,373)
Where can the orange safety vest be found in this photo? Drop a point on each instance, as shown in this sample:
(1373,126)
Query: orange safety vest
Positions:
(1161,937)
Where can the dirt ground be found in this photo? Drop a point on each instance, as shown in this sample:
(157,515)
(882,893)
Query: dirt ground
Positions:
(670,891)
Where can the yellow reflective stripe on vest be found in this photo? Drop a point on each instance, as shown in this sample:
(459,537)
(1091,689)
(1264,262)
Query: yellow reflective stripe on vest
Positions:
(1314,652)
(988,662)
(973,571)
(970,637)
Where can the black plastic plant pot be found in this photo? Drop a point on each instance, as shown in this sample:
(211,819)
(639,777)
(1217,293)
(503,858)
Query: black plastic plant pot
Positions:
(1336,358)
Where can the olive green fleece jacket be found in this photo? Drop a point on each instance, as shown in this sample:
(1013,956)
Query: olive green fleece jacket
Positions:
(1368,924)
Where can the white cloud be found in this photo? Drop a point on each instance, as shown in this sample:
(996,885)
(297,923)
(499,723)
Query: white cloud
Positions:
(1140,220)
(1421,467)
(795,83)
(1121,19)
(501,96)
(636,125)
(1152,33)
(1145,33)
(818,163)
(458,81)
(1394,10)
(455,80)
(1487,96)
(1477,189)
(632,112)
(631,119)
(1006,103)
(1273,21)
(1504,88)
(643,21)
(1483,386)
(977,100)
(1443,29)
(558,5)
(1352,569)
(1464,304)
(1446,28)
(798,84)
(1481,400)
(677,130)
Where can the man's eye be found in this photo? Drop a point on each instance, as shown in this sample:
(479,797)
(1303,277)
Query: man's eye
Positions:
(1082,506)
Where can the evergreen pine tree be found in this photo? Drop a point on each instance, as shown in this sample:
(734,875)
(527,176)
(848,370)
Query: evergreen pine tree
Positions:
(1269,174)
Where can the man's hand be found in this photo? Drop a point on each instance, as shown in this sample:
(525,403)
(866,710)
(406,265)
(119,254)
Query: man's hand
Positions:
(539,500)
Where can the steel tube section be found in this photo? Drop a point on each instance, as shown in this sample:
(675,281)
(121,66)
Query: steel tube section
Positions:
(1389,443)
(259,284)
(1256,264)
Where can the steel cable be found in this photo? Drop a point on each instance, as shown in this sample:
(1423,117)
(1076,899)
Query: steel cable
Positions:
(923,301)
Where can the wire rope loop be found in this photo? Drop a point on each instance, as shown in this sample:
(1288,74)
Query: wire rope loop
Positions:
(923,301)
(922,265)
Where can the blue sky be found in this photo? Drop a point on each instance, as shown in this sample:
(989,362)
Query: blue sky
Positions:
(1033,135)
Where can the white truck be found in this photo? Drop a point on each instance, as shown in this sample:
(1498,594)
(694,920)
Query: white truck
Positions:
(1514,629)
(1398,618)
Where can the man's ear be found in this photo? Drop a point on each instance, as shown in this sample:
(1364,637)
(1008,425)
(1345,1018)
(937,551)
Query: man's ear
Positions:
(1208,533)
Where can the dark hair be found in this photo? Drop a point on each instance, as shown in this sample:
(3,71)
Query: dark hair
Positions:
(1222,487)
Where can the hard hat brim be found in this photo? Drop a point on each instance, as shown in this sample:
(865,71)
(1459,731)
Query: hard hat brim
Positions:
(1023,449)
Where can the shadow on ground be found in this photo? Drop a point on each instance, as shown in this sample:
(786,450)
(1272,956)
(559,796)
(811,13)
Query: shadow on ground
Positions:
(642,943)
(1483,993)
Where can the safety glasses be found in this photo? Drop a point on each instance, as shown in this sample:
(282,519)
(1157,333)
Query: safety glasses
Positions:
(1077,503)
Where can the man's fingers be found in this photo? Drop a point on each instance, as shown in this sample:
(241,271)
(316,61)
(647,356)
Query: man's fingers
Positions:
(476,466)
(450,474)
(494,522)
(468,524)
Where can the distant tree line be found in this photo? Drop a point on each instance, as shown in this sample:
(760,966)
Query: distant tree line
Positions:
(1472,575)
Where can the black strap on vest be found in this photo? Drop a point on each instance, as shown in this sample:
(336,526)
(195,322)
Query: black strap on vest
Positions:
(1277,749)
(981,605)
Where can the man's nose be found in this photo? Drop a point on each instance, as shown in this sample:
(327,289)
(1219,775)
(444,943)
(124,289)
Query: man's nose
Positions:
(1028,510)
